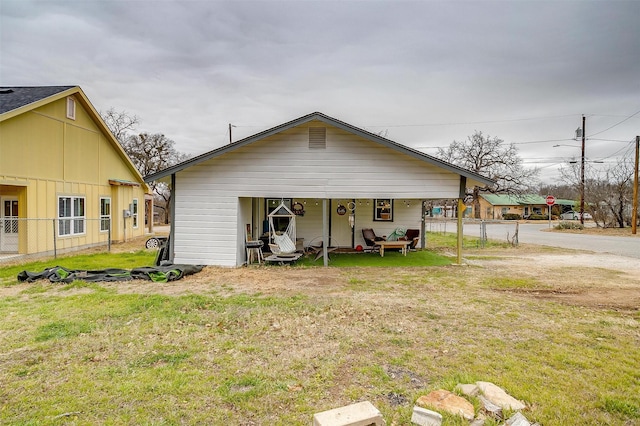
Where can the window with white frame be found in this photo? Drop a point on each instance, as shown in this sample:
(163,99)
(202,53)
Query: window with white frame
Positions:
(105,213)
(71,108)
(134,212)
(71,215)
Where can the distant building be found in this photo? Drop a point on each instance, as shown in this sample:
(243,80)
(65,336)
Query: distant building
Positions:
(495,206)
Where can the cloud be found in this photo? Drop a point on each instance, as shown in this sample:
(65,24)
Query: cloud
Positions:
(189,68)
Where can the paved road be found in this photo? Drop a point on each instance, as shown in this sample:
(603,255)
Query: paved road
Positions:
(534,233)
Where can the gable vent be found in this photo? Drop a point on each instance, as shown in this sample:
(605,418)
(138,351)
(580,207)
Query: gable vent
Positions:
(317,137)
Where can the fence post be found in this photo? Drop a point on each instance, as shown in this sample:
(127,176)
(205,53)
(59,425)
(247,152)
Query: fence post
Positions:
(55,253)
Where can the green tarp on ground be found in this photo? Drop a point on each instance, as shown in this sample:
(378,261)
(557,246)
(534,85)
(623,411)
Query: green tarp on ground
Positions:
(160,274)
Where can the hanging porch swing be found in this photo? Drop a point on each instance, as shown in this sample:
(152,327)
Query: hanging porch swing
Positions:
(282,211)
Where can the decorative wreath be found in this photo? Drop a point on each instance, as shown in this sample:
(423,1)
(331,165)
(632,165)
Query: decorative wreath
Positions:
(351,206)
(298,209)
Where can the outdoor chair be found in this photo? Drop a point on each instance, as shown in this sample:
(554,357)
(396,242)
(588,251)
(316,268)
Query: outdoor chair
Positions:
(412,235)
(370,239)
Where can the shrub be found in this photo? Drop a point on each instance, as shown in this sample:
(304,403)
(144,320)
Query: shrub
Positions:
(511,216)
(569,225)
(538,217)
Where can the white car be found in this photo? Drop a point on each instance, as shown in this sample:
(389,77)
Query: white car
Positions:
(575,216)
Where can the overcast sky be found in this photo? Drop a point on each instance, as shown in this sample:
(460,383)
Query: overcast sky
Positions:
(424,73)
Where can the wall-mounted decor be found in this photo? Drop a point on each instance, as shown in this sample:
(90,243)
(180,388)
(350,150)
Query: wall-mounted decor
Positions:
(383,210)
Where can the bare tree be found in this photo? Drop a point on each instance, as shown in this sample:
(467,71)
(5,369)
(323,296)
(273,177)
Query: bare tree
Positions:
(608,192)
(493,158)
(120,123)
(151,153)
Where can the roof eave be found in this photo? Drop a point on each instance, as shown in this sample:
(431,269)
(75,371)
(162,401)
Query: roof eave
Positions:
(40,102)
(77,91)
(471,176)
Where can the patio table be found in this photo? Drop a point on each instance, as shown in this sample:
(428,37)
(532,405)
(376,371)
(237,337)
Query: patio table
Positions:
(401,244)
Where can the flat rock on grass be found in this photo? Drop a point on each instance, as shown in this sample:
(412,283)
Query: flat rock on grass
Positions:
(518,419)
(447,401)
(498,396)
(468,389)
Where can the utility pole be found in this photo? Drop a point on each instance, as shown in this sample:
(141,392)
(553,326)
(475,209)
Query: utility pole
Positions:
(634,215)
(230,133)
(584,132)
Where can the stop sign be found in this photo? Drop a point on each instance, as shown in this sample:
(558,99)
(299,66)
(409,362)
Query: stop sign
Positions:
(551,200)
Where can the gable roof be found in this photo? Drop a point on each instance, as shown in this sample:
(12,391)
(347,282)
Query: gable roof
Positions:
(18,100)
(521,200)
(318,116)
(12,98)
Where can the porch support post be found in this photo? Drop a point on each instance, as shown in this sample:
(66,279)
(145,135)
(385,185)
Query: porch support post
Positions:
(423,225)
(461,208)
(325,232)
(151,214)
(172,203)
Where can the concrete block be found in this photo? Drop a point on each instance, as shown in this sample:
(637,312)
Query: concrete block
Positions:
(359,414)
(423,417)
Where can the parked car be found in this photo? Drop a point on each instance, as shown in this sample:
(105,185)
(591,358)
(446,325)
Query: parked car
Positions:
(575,216)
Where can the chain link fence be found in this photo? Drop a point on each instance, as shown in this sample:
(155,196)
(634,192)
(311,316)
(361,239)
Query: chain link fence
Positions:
(21,237)
(496,230)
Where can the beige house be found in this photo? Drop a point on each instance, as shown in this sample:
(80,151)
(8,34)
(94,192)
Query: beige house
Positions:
(65,182)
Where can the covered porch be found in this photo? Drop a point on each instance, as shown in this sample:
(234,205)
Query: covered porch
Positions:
(333,223)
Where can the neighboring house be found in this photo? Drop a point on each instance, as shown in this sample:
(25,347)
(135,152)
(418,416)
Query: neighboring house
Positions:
(495,206)
(343,178)
(65,182)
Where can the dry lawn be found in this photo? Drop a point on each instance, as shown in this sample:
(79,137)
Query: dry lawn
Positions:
(272,345)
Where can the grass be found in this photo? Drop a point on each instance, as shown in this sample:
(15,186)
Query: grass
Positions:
(441,252)
(250,346)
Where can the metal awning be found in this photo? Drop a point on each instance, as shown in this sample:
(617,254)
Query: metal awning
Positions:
(120,182)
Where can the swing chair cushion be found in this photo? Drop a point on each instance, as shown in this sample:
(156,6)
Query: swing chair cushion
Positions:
(283,244)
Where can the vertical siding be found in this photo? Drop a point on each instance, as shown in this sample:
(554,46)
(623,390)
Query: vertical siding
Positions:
(54,156)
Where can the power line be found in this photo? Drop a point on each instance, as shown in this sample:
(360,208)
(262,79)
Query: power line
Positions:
(617,124)
(608,140)
(621,149)
(456,123)
(548,140)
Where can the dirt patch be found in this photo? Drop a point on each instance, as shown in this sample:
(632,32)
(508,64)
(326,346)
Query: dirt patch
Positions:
(592,280)
(585,279)
(576,278)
